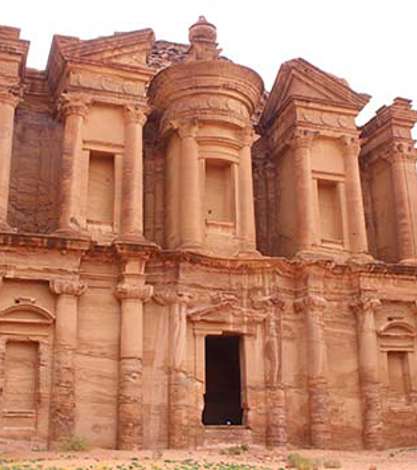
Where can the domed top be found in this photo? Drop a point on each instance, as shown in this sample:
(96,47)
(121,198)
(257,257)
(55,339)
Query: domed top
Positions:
(202,31)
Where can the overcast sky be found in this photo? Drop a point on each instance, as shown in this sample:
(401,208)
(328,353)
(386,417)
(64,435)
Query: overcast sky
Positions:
(371,43)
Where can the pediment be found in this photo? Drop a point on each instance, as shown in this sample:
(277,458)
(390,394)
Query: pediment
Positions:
(298,79)
(130,49)
(397,329)
(26,313)
(226,313)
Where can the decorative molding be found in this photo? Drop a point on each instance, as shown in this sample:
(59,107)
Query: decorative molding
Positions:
(67,287)
(126,290)
(310,302)
(137,114)
(73,104)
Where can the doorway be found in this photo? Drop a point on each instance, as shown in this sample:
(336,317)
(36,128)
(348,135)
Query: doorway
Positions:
(222,400)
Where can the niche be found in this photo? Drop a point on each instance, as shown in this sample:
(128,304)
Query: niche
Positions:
(21,375)
(100,199)
(218,192)
(331,228)
(398,373)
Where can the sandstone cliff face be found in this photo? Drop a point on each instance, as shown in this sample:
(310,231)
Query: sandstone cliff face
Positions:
(159,200)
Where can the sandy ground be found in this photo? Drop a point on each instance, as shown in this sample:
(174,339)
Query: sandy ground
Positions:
(97,459)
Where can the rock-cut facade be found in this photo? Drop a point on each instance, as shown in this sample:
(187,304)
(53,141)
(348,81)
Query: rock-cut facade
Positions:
(187,260)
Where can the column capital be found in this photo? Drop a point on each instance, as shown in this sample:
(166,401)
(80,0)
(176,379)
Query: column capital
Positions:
(351,145)
(126,290)
(170,295)
(73,104)
(247,135)
(311,303)
(67,286)
(365,305)
(11,95)
(302,138)
(400,151)
(270,301)
(136,113)
(186,128)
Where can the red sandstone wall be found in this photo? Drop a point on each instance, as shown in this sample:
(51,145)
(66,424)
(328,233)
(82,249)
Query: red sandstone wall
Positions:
(35,171)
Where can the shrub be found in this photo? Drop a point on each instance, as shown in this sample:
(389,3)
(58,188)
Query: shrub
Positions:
(332,464)
(299,462)
(73,444)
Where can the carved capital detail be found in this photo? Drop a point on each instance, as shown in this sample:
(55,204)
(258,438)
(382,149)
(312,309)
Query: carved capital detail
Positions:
(170,295)
(11,95)
(247,136)
(302,138)
(68,287)
(261,301)
(186,128)
(311,303)
(365,305)
(73,104)
(126,290)
(351,145)
(400,151)
(136,114)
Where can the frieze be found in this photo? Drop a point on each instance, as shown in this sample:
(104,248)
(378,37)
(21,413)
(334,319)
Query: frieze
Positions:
(105,83)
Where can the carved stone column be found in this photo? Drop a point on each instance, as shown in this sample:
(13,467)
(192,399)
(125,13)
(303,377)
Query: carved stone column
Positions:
(368,372)
(246,200)
(74,109)
(179,393)
(63,388)
(9,99)
(356,214)
(301,143)
(276,426)
(132,295)
(190,191)
(132,184)
(314,307)
(403,160)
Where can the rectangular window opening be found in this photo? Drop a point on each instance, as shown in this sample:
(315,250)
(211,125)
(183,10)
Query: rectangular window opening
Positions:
(330,212)
(101,193)
(398,372)
(222,400)
(21,375)
(218,192)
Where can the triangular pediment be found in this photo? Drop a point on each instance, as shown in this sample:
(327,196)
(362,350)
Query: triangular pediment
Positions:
(298,79)
(130,48)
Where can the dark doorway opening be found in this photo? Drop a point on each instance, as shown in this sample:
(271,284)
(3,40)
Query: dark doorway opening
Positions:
(222,401)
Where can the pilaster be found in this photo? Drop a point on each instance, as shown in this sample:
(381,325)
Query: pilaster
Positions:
(63,396)
(356,215)
(132,178)
(247,229)
(132,293)
(368,371)
(73,108)
(191,216)
(9,99)
(301,143)
(178,302)
(314,307)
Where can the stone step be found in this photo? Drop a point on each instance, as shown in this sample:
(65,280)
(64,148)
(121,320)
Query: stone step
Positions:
(215,436)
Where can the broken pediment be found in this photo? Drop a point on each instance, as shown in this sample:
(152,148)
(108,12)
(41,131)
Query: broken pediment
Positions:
(130,48)
(26,313)
(298,79)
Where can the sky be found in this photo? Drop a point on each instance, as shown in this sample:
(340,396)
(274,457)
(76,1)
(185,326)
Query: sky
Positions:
(370,43)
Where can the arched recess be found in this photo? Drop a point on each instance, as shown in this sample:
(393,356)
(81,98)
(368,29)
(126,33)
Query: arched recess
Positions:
(26,338)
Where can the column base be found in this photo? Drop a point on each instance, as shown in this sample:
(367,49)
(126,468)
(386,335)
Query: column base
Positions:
(135,238)
(5,227)
(361,258)
(249,253)
(70,232)
(409,261)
